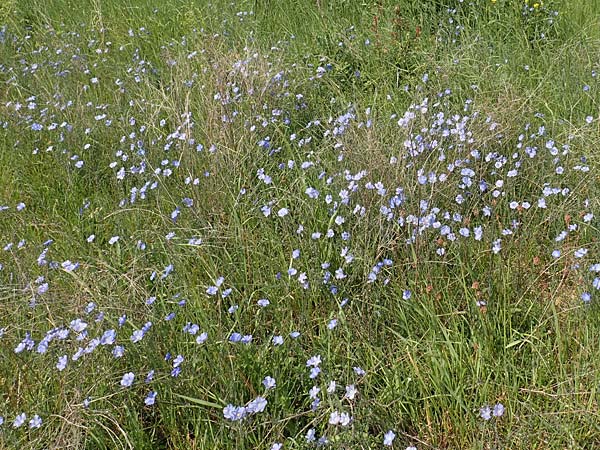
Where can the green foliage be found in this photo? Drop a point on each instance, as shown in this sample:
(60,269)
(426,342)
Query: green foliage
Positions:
(479,328)
(7,11)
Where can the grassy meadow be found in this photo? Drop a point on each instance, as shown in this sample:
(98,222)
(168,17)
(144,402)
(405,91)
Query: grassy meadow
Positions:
(299,224)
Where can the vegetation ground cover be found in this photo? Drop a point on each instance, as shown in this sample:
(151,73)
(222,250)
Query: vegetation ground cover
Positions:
(288,225)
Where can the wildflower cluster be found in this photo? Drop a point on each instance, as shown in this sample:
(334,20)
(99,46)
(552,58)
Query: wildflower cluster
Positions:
(206,236)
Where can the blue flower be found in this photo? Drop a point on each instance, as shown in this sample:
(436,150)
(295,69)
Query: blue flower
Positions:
(69,266)
(150,398)
(108,338)
(257,405)
(178,360)
(62,362)
(359,371)
(485,413)
(211,290)
(35,422)
(201,338)
(127,379)
(136,336)
(314,372)
(19,420)
(337,418)
(351,392)
(388,438)
(167,271)
(497,246)
(314,361)
(269,382)
(118,351)
(150,376)
(234,413)
(78,325)
(498,410)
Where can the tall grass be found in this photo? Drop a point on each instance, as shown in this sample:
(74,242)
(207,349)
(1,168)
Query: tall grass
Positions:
(258,223)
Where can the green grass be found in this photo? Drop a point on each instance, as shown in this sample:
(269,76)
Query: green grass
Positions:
(479,327)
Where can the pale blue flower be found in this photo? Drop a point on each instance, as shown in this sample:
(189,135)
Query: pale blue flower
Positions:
(178,360)
(136,336)
(497,246)
(351,392)
(150,398)
(149,376)
(498,410)
(359,371)
(388,438)
(314,361)
(234,413)
(257,405)
(19,420)
(211,290)
(269,382)
(62,362)
(127,379)
(35,422)
(485,413)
